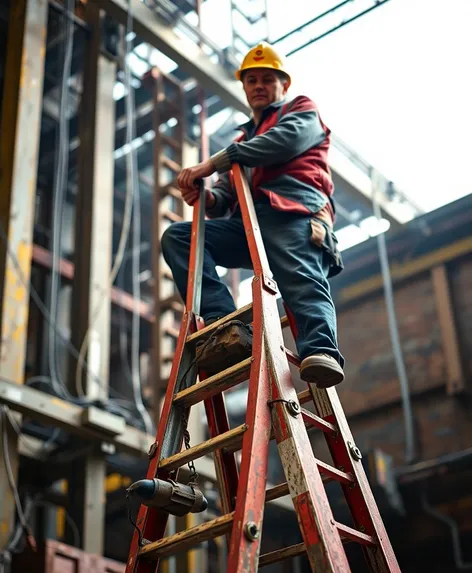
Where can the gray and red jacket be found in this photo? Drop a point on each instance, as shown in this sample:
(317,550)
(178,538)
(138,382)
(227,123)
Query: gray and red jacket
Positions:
(285,157)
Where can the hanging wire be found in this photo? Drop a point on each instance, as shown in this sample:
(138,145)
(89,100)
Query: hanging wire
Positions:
(410,453)
(133,183)
(61,177)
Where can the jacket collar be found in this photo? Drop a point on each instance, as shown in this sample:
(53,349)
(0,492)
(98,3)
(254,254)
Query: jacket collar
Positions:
(249,126)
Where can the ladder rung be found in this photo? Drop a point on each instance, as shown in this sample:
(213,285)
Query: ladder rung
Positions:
(172,190)
(186,539)
(243,314)
(293,358)
(349,534)
(172,331)
(171,141)
(282,554)
(304,396)
(282,489)
(333,473)
(167,303)
(311,419)
(171,216)
(277,491)
(229,440)
(171,164)
(214,385)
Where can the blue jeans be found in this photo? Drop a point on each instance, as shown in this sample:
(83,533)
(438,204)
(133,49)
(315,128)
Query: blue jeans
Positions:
(299,267)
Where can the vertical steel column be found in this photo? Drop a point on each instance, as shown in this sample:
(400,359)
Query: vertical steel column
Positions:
(19,143)
(91,298)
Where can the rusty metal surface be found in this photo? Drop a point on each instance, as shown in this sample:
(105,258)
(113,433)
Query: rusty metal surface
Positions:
(57,557)
(19,143)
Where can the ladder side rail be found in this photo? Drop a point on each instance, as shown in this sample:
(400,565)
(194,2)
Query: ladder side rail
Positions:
(322,540)
(359,496)
(152,522)
(243,555)
(360,499)
(169,436)
(194,282)
(218,423)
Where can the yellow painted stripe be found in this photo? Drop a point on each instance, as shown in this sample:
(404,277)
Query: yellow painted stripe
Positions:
(405,270)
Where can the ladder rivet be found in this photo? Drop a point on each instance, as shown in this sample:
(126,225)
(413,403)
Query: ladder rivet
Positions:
(355,451)
(251,531)
(293,408)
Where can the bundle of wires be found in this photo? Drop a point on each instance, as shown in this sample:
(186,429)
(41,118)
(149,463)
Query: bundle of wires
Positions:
(121,406)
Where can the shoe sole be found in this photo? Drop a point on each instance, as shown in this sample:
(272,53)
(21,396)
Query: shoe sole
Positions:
(322,375)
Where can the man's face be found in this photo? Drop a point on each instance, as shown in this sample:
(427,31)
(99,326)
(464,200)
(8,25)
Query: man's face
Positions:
(263,87)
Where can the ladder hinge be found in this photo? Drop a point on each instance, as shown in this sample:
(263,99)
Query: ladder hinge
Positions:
(269,284)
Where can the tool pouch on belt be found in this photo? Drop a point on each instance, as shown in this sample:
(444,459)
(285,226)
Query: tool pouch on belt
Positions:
(230,343)
(323,236)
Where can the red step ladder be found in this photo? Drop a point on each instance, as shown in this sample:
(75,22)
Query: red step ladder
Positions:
(273,412)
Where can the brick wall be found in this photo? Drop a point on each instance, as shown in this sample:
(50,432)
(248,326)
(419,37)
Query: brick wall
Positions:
(371,393)
(364,339)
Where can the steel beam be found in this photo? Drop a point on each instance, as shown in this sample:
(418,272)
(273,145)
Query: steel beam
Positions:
(59,413)
(214,78)
(188,55)
(19,143)
(91,297)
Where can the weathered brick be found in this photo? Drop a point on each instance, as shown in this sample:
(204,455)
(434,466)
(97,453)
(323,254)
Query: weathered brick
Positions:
(442,423)
(364,339)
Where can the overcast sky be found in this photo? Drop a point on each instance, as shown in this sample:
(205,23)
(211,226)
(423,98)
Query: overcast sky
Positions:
(396,85)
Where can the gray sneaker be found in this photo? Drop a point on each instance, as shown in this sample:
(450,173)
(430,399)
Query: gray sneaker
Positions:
(322,370)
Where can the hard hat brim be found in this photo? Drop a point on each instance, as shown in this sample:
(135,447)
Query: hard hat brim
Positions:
(261,66)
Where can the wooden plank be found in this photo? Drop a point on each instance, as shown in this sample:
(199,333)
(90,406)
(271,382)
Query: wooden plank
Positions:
(189,538)
(282,554)
(243,314)
(450,340)
(233,438)
(215,384)
(403,271)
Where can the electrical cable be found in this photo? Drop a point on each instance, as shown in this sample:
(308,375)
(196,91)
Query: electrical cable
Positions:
(133,183)
(120,407)
(410,450)
(124,234)
(45,447)
(61,176)
(11,479)
(123,335)
(59,388)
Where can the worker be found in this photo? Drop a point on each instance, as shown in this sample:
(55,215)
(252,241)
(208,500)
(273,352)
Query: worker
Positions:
(283,149)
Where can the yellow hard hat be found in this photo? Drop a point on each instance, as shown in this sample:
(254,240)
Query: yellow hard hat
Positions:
(263,56)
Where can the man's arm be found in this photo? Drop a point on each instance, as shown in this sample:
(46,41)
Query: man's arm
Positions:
(295,132)
(223,195)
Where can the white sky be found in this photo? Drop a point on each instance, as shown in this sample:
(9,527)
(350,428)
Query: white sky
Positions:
(395,85)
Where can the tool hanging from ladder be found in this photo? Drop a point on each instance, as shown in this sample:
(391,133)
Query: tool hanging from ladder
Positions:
(273,412)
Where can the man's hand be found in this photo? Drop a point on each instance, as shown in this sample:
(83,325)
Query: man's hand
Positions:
(187,177)
(191,195)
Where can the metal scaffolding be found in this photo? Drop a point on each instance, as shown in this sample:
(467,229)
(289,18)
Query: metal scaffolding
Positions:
(70,318)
